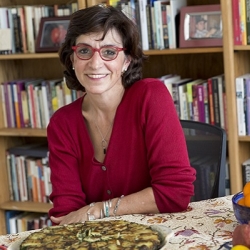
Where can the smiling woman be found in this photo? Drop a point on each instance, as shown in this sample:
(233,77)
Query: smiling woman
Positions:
(120,148)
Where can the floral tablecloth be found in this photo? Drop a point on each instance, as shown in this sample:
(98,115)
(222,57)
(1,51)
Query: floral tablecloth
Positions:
(205,225)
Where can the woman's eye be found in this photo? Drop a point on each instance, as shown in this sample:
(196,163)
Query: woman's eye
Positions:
(84,51)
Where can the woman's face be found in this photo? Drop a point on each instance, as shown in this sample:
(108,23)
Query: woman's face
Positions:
(95,74)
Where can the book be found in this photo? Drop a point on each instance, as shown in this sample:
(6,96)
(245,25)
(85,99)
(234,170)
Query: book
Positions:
(8,215)
(221,79)
(169,81)
(246,171)
(236,22)
(143,24)
(240,95)
(248,21)
(175,93)
(210,101)
(242,8)
(164,25)
(149,24)
(175,6)
(216,101)
(19,88)
(158,25)
(247,105)
(23,33)
(2,102)
(206,107)
(190,102)
(29,16)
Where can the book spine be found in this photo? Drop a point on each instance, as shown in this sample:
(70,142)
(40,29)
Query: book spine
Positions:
(201,107)
(247,84)
(158,25)
(210,101)
(195,102)
(164,26)
(21,15)
(221,101)
(206,107)
(12,104)
(216,102)
(248,21)
(243,21)
(240,106)
(236,22)
(30,28)
(143,24)
(245,173)
(2,98)
(7,104)
(175,96)
(19,109)
(149,25)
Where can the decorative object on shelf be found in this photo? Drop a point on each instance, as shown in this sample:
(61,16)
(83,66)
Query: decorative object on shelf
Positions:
(52,33)
(201,26)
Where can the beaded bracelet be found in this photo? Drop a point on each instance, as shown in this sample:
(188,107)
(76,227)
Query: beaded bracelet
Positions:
(117,205)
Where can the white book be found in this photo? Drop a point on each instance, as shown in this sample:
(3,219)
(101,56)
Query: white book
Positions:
(174,9)
(3,18)
(13,224)
(240,95)
(29,15)
(158,25)
(143,24)
(45,103)
(221,103)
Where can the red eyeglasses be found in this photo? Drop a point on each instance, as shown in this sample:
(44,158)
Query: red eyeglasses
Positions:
(107,53)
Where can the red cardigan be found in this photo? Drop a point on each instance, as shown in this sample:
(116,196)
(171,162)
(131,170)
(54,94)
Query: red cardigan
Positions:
(146,148)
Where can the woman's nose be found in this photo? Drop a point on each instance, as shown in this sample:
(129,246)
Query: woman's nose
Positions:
(96,61)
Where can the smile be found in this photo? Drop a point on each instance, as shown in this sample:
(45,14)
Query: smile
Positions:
(96,76)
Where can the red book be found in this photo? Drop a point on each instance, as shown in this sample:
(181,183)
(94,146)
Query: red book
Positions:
(236,22)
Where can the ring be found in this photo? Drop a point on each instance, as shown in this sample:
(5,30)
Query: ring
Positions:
(91,216)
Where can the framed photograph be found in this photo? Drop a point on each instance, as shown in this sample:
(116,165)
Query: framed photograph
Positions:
(52,32)
(200,26)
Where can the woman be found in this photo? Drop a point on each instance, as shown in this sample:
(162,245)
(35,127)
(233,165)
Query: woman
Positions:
(119,149)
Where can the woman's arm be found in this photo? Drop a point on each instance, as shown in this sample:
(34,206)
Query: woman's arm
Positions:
(141,202)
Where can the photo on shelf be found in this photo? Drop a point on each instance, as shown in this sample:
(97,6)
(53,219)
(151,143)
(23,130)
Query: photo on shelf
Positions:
(201,26)
(52,33)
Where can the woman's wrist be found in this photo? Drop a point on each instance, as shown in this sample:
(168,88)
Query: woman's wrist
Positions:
(103,209)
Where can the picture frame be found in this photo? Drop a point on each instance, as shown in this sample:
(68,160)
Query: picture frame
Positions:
(200,26)
(52,32)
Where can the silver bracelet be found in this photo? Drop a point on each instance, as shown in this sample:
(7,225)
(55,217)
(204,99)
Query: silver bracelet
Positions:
(89,215)
(117,205)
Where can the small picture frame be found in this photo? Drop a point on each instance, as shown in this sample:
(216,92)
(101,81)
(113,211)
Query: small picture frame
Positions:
(52,32)
(201,26)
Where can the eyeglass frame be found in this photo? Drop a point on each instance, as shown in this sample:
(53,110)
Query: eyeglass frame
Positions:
(97,50)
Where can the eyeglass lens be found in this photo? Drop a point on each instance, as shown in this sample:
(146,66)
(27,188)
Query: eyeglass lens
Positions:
(85,52)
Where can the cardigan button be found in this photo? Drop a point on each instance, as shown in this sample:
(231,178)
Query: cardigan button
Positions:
(109,192)
(104,168)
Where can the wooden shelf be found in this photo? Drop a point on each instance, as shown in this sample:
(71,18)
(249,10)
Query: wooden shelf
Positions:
(29,132)
(26,206)
(242,47)
(147,52)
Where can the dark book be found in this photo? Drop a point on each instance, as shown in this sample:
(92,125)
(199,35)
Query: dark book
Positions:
(33,150)
(164,25)
(216,101)
(248,21)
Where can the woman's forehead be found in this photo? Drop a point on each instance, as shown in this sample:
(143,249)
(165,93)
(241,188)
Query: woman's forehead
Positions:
(111,37)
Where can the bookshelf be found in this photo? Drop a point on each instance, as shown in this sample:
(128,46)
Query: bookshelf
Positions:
(192,62)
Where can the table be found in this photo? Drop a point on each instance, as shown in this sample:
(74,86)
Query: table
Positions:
(205,225)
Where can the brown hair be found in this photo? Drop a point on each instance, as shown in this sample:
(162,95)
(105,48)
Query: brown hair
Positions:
(102,18)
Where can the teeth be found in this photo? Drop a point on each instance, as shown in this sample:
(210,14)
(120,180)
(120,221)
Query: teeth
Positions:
(96,76)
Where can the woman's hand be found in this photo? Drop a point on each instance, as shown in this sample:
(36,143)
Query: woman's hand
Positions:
(80,215)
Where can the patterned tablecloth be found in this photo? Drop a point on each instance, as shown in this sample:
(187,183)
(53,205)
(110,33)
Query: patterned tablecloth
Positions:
(205,225)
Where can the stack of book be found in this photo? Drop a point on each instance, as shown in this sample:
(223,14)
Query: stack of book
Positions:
(241,21)
(29,103)
(22,23)
(17,221)
(198,99)
(29,173)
